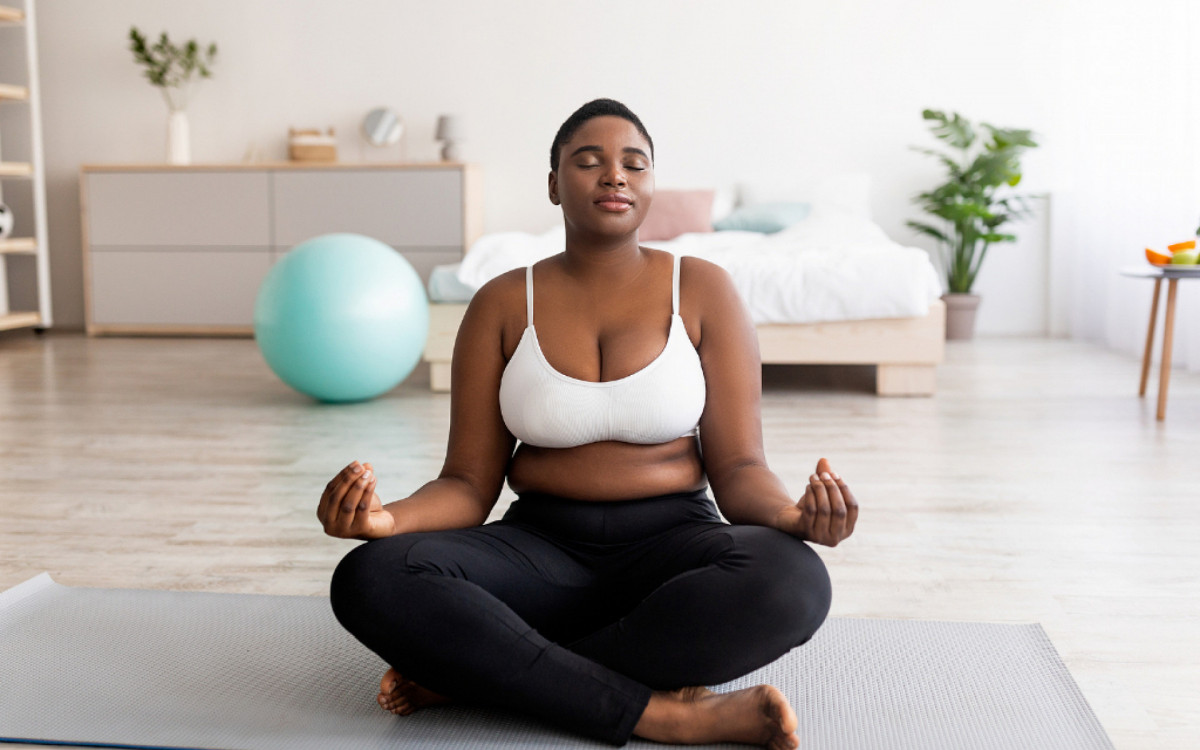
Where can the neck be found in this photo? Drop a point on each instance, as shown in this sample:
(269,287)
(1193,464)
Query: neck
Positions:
(602,258)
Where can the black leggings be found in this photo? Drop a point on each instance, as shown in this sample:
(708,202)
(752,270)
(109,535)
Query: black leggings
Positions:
(575,611)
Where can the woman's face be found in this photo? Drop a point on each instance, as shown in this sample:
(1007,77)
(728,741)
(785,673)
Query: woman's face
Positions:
(605,179)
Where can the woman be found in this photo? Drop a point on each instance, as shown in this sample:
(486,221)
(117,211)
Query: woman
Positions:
(611,592)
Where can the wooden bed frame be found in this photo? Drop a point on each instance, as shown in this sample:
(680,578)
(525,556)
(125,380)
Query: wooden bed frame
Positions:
(905,351)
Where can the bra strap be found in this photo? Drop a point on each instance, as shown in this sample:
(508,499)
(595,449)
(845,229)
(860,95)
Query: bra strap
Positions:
(529,295)
(675,288)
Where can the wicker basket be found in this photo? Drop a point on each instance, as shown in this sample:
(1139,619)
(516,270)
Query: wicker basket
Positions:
(311,145)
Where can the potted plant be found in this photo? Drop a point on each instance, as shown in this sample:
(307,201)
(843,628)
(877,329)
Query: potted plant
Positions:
(973,204)
(171,68)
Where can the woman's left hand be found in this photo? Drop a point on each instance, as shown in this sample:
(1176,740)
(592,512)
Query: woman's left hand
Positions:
(826,514)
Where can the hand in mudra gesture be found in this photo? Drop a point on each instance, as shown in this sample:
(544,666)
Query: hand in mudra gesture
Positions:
(349,507)
(827,512)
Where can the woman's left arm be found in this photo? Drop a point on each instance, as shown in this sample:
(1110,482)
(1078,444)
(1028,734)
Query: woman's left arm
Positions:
(745,489)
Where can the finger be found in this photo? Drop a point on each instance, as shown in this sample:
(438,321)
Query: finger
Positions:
(821,523)
(823,466)
(331,499)
(361,523)
(345,484)
(327,508)
(347,508)
(851,505)
(374,501)
(837,509)
(808,511)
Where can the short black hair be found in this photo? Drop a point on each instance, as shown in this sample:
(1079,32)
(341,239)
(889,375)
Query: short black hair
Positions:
(594,108)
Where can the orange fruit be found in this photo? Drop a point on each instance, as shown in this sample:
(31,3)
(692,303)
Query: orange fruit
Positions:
(1178,246)
(1157,259)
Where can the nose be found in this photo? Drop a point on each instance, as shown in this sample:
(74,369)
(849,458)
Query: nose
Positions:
(614,176)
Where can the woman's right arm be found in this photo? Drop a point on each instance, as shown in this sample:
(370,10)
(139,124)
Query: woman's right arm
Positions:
(478,450)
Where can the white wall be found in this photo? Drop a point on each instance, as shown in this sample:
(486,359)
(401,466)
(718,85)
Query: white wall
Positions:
(1130,141)
(729,90)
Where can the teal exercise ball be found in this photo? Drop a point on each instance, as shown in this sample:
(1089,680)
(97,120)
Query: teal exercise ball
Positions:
(342,318)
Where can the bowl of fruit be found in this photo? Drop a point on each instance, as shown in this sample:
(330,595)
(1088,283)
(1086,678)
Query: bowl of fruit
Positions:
(1182,256)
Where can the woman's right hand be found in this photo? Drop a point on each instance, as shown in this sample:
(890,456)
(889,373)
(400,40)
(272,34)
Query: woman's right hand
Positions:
(350,509)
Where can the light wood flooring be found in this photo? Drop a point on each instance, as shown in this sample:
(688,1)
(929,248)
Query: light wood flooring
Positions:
(1035,487)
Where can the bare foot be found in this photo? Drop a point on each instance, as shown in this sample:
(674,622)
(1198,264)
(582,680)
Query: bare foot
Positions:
(403,697)
(759,715)
(692,693)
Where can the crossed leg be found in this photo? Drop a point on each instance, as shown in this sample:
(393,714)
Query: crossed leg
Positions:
(481,615)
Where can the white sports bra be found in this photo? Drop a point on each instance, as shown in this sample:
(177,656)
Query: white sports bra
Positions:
(658,403)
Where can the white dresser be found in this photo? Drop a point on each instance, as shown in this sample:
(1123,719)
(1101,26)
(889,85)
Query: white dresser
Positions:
(183,249)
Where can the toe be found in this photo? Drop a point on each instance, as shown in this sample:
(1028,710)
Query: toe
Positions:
(391,680)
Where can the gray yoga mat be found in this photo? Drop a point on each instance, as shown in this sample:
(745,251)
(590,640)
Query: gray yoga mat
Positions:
(164,669)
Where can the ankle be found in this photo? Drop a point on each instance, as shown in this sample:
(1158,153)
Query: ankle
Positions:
(666,719)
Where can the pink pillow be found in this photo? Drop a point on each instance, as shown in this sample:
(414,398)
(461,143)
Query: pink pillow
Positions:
(676,212)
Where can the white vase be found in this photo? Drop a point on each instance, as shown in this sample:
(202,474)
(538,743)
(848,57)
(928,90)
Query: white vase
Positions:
(178,141)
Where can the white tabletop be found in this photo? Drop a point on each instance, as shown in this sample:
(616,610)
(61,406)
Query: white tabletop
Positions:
(1148,271)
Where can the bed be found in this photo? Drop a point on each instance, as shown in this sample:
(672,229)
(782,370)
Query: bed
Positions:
(829,289)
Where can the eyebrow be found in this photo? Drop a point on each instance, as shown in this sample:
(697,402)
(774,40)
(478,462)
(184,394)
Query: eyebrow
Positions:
(600,149)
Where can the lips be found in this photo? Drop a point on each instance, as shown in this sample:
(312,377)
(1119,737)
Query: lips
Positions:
(614,202)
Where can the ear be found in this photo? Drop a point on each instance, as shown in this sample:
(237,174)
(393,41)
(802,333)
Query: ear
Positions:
(553,187)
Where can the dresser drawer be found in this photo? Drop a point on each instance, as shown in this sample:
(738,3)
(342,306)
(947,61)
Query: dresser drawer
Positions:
(176,288)
(412,207)
(176,208)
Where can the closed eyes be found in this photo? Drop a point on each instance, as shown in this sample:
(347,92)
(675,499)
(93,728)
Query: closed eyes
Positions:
(631,168)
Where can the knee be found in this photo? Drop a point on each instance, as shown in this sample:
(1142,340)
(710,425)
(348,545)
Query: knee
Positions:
(369,577)
(353,583)
(788,583)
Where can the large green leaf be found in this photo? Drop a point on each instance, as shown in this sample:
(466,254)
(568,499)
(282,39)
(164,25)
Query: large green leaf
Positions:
(947,161)
(992,169)
(930,230)
(952,129)
(962,212)
(1010,137)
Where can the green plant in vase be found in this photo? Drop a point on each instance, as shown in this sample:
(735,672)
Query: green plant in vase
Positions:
(172,68)
(975,201)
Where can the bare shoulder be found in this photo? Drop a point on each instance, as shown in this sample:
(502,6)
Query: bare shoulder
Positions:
(703,275)
(498,307)
(500,291)
(706,290)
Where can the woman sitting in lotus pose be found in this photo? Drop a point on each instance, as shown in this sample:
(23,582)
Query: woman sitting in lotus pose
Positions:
(611,592)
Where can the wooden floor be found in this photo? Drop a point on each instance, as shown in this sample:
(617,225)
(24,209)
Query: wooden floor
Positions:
(1035,487)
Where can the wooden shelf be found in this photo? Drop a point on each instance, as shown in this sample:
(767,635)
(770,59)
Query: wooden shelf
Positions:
(15,169)
(18,246)
(13,93)
(9,321)
(274,165)
(19,87)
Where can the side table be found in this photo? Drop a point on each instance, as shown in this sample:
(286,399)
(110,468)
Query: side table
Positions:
(1172,274)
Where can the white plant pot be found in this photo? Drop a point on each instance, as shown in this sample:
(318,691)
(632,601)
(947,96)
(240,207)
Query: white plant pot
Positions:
(960,315)
(178,141)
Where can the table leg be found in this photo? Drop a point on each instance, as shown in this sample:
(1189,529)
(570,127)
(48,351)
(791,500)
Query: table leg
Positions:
(1164,377)
(1150,338)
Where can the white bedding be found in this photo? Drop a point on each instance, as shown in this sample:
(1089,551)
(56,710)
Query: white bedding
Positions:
(831,266)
